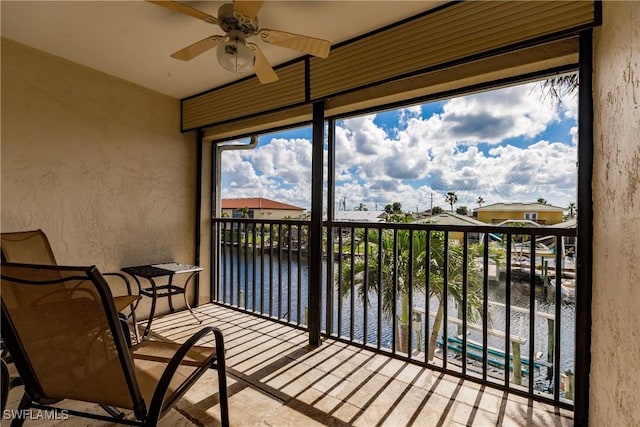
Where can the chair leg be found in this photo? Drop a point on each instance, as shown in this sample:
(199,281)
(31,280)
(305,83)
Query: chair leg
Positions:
(224,400)
(111,411)
(6,382)
(222,379)
(21,412)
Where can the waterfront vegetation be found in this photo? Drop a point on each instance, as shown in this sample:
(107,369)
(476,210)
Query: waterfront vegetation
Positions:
(405,258)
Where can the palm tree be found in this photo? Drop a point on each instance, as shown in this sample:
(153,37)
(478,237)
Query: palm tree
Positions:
(572,209)
(480,201)
(452,199)
(390,258)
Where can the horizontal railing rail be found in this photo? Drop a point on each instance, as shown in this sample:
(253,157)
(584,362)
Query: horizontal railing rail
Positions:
(491,303)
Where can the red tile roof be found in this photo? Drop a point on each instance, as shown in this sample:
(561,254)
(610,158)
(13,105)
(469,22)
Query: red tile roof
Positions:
(257,203)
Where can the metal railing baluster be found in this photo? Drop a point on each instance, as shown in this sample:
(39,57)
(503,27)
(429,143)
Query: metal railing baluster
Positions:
(507,311)
(557,323)
(410,295)
(445,299)
(380,261)
(341,284)
(427,299)
(299,291)
(394,305)
(289,255)
(485,306)
(465,272)
(271,269)
(532,310)
(279,271)
(246,264)
(254,236)
(365,319)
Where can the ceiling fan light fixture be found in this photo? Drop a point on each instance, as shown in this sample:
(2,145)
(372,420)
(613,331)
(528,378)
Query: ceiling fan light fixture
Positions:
(235,56)
(239,21)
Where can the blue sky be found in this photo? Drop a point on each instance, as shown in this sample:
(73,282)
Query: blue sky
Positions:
(506,145)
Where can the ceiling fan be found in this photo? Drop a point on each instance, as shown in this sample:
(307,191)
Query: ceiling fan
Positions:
(239,21)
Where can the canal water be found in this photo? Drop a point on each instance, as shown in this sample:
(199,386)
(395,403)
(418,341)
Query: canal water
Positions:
(277,294)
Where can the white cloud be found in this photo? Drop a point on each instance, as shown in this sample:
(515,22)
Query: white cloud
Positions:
(462,148)
(278,169)
(518,111)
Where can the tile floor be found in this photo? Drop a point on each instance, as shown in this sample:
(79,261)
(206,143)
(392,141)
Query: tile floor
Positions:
(276,379)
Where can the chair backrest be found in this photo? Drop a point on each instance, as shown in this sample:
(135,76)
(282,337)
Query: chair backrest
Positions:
(62,330)
(30,247)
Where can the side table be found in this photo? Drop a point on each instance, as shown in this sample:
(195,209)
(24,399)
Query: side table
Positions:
(155,291)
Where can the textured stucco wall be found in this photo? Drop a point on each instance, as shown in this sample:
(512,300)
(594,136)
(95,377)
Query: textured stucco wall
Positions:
(205,225)
(96,162)
(615,369)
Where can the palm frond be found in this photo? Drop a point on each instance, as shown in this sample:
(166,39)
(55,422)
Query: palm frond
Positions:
(558,87)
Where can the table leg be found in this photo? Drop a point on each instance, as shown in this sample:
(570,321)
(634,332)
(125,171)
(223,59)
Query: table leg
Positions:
(171,309)
(186,300)
(134,307)
(147,329)
(134,323)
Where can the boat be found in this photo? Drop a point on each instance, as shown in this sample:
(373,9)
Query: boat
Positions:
(568,287)
(495,357)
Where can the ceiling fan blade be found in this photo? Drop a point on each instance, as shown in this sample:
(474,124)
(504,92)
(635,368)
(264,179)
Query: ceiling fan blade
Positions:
(262,68)
(186,10)
(248,8)
(191,51)
(304,44)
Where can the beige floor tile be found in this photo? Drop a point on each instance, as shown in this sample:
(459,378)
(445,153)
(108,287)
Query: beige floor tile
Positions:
(338,409)
(360,392)
(276,379)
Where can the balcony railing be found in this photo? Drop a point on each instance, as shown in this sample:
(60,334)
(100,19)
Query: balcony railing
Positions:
(480,302)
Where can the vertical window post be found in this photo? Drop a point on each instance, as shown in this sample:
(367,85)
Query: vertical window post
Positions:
(584,259)
(198,218)
(315,231)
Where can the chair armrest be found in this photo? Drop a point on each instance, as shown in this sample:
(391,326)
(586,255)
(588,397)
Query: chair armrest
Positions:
(155,406)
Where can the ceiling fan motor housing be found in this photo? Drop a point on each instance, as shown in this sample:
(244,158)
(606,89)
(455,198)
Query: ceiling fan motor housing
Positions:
(230,20)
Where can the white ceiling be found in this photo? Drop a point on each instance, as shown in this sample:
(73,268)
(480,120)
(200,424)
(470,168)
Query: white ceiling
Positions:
(133,39)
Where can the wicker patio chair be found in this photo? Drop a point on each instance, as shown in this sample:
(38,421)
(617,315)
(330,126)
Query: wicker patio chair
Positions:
(33,247)
(62,329)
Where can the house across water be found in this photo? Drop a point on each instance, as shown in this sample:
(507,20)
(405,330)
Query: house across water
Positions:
(500,212)
(259,207)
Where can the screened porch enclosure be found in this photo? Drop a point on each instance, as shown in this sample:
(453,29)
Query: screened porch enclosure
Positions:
(484,304)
